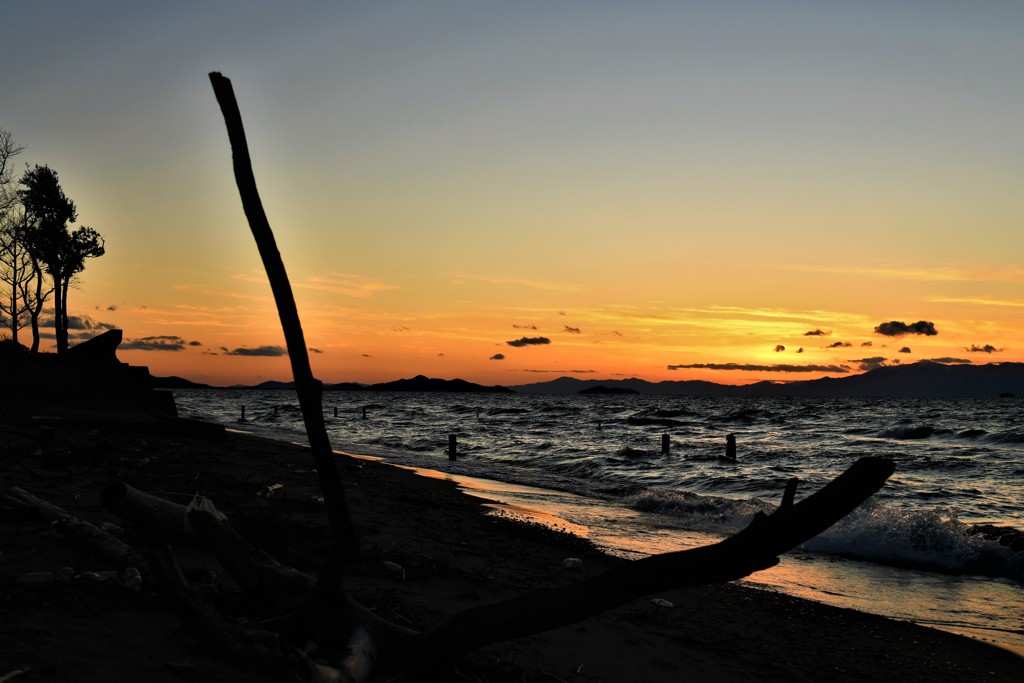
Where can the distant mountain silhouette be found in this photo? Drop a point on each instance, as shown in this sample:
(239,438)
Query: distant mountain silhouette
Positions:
(602,389)
(175,382)
(924,379)
(571,385)
(423,383)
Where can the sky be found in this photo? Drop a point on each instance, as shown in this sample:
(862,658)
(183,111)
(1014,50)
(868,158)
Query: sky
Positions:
(512,192)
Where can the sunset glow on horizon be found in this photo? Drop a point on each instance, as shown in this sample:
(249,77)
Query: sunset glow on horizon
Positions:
(507,194)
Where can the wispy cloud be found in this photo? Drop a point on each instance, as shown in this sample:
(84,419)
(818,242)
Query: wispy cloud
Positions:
(155,343)
(976,301)
(545,285)
(257,351)
(347,284)
(561,372)
(761,368)
(1012,274)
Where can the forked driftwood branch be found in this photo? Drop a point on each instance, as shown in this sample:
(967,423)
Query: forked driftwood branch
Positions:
(377,646)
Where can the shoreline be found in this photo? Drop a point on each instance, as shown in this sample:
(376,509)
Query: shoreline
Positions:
(453,556)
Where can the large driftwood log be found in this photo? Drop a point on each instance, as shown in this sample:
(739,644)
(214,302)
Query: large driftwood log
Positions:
(83,534)
(149,512)
(752,549)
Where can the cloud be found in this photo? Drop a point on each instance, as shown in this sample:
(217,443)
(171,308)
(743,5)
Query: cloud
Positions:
(987,348)
(951,361)
(839,345)
(498,356)
(800,350)
(762,368)
(112,307)
(348,284)
(76,322)
(563,372)
(366,355)
(905,349)
(195,343)
(403,328)
(867,343)
(895,328)
(313,350)
(523,327)
(817,333)
(779,348)
(157,343)
(528,341)
(259,351)
(572,330)
(867,364)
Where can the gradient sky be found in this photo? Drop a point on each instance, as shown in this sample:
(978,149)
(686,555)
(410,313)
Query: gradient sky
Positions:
(667,190)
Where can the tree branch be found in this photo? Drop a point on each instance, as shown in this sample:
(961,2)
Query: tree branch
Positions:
(752,549)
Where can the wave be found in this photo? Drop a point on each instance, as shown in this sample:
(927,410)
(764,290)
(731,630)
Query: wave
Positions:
(1007,437)
(916,432)
(934,540)
(745,415)
(701,512)
(656,417)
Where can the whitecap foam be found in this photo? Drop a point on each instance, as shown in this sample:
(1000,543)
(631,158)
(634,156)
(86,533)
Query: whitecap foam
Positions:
(932,539)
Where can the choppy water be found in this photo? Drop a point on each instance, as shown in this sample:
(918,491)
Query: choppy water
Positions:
(598,463)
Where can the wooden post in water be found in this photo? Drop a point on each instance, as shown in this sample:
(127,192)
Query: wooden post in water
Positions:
(364,412)
(730,447)
(452,447)
(664,444)
(335,411)
(243,414)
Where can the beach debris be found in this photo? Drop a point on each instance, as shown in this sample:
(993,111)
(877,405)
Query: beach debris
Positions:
(36,578)
(10,675)
(572,563)
(730,447)
(82,534)
(65,574)
(270,490)
(143,509)
(394,568)
(132,578)
(106,575)
(661,602)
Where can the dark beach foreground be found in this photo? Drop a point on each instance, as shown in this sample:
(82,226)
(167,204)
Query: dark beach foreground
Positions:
(450,556)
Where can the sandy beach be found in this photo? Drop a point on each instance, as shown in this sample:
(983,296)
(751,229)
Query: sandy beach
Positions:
(451,555)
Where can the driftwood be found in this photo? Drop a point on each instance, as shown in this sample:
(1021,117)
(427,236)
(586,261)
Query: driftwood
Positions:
(82,534)
(375,645)
(147,511)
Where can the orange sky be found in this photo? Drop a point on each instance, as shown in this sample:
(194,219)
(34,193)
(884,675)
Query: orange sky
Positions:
(690,185)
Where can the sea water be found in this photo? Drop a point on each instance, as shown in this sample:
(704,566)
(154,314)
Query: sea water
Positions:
(595,465)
